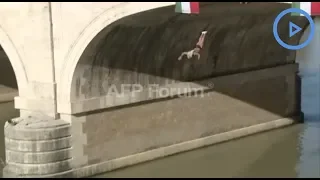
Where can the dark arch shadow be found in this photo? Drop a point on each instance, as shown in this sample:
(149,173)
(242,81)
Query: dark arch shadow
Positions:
(7,77)
(8,90)
(143,49)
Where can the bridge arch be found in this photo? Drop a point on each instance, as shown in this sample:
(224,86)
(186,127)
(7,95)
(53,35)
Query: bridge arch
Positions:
(14,58)
(242,41)
(91,31)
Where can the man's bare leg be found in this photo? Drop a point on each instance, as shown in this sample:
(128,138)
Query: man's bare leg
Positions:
(190,53)
(201,39)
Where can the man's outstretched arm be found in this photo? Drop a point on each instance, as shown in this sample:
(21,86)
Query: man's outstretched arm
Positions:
(182,54)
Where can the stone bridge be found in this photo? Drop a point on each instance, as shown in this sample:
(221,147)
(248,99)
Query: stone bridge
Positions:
(67,56)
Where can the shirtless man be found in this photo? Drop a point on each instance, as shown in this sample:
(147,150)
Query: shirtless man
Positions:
(196,50)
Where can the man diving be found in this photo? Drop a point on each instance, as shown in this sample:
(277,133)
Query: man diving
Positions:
(196,50)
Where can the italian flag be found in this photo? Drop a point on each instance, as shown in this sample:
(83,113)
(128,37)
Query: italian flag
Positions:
(312,8)
(187,7)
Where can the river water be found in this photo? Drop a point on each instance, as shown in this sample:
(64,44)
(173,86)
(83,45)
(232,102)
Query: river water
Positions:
(288,152)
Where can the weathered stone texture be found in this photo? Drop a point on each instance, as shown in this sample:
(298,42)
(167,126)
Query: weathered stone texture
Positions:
(144,48)
(236,102)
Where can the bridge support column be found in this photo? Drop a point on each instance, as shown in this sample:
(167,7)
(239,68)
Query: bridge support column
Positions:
(28,44)
(37,143)
(38,147)
(39,100)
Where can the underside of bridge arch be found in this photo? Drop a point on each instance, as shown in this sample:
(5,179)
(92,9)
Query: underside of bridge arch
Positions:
(8,90)
(144,48)
(7,78)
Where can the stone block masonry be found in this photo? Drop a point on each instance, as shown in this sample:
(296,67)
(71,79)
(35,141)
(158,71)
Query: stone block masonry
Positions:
(235,102)
(96,142)
(37,147)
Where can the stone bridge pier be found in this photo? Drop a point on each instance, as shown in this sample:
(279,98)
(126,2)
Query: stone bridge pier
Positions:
(72,60)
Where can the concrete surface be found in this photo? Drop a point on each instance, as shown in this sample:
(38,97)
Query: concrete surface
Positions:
(163,123)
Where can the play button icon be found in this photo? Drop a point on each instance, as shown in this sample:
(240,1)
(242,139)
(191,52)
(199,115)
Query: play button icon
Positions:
(293,29)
